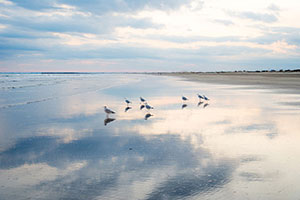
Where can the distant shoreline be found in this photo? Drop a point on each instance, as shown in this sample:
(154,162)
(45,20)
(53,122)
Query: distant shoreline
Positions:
(276,80)
(282,79)
(216,72)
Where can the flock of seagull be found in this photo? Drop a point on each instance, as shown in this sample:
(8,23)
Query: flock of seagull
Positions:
(144,104)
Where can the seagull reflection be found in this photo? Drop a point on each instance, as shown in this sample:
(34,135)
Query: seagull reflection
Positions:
(127,108)
(148,115)
(142,107)
(183,106)
(199,103)
(108,120)
(205,105)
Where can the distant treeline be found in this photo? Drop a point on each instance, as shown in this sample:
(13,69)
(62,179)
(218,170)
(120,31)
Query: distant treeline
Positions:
(238,71)
(273,70)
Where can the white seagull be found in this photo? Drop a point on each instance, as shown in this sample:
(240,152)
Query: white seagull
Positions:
(148,106)
(108,111)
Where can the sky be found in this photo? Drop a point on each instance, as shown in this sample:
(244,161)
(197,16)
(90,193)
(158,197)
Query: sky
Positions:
(149,35)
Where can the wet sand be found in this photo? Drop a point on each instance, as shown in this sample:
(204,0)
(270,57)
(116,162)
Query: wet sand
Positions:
(56,141)
(276,80)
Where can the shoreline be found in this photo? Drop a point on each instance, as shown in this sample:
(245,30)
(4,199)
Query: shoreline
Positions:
(274,80)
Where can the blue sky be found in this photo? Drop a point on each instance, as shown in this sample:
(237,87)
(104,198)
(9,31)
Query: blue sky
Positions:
(149,35)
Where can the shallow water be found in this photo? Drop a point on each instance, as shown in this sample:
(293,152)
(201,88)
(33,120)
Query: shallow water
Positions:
(57,143)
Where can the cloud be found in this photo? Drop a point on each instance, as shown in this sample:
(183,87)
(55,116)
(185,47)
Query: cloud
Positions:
(161,31)
(224,22)
(290,35)
(190,183)
(76,23)
(262,17)
(273,7)
(35,4)
(100,7)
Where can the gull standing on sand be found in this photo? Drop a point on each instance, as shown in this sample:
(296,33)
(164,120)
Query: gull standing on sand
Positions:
(127,101)
(108,111)
(200,97)
(184,98)
(148,106)
(207,99)
(142,100)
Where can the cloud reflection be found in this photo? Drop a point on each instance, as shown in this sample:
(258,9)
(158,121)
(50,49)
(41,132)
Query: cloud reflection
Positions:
(191,183)
(104,153)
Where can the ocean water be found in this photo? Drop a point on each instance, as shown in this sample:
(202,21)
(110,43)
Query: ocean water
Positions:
(56,142)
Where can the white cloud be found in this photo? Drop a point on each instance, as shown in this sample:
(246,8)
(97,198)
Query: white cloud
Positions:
(155,30)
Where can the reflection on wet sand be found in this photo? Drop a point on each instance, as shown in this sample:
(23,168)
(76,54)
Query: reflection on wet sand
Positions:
(199,103)
(127,108)
(107,161)
(142,107)
(183,106)
(148,115)
(224,152)
(108,120)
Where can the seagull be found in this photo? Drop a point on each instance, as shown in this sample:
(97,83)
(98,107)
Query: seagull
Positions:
(127,101)
(207,99)
(200,97)
(184,98)
(108,111)
(142,100)
(148,106)
(148,115)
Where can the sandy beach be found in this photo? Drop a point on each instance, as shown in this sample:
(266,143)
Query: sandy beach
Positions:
(280,80)
(57,142)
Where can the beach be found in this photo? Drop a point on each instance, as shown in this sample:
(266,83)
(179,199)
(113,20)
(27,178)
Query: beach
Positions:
(57,141)
(279,80)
